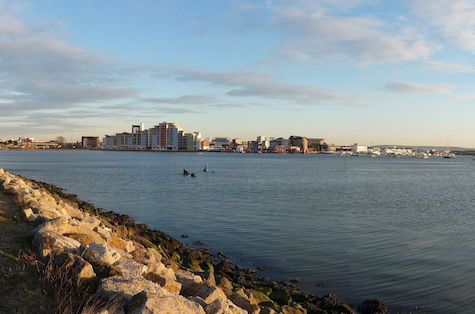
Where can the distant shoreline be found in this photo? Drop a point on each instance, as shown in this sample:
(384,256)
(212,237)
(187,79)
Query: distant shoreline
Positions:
(467,152)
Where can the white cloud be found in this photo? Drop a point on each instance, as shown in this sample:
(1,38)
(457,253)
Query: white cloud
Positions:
(41,71)
(312,31)
(417,88)
(454,20)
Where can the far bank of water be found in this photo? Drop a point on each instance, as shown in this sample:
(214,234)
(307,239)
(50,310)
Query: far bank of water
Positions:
(397,229)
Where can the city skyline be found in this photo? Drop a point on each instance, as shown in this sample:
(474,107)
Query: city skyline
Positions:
(363,71)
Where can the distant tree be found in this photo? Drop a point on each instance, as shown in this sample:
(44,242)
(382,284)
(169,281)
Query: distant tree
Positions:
(60,140)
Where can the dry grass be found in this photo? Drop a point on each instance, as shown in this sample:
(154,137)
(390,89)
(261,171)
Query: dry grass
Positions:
(71,294)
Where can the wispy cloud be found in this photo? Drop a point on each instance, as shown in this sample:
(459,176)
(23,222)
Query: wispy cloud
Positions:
(40,71)
(417,88)
(454,20)
(183,100)
(177,110)
(255,84)
(449,67)
(311,30)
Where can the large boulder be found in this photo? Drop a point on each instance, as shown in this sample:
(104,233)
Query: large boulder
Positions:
(221,306)
(373,307)
(234,309)
(70,210)
(190,282)
(225,284)
(45,242)
(146,256)
(157,304)
(30,215)
(292,310)
(76,268)
(159,269)
(211,293)
(245,299)
(154,254)
(102,270)
(172,286)
(103,232)
(74,227)
(130,268)
(104,253)
(90,222)
(267,310)
(127,287)
(121,244)
(212,298)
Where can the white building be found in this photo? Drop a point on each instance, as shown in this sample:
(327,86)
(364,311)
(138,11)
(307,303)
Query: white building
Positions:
(355,148)
(165,136)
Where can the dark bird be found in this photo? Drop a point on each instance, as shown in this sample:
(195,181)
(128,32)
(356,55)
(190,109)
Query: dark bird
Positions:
(185,172)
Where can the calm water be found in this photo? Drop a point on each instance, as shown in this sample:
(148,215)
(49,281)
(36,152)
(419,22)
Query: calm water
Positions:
(398,229)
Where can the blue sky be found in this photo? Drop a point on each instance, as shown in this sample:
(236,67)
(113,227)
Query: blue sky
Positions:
(366,71)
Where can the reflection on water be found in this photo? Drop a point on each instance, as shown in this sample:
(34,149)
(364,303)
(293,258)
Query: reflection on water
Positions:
(401,230)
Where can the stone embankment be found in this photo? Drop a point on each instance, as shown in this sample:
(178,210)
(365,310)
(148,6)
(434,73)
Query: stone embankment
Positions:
(129,268)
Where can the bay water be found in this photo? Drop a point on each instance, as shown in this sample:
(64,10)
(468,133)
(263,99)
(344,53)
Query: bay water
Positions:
(398,229)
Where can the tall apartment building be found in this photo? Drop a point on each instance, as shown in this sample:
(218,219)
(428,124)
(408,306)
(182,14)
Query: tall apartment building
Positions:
(189,141)
(168,135)
(165,136)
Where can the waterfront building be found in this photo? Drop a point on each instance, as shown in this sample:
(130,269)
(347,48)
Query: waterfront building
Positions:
(189,141)
(205,143)
(220,144)
(198,141)
(300,142)
(168,135)
(317,145)
(252,146)
(90,141)
(264,142)
(165,136)
(355,148)
(279,145)
(235,143)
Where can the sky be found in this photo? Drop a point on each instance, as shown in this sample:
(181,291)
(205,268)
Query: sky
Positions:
(350,71)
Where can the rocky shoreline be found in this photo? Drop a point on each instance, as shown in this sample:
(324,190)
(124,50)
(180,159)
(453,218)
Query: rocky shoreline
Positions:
(119,266)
